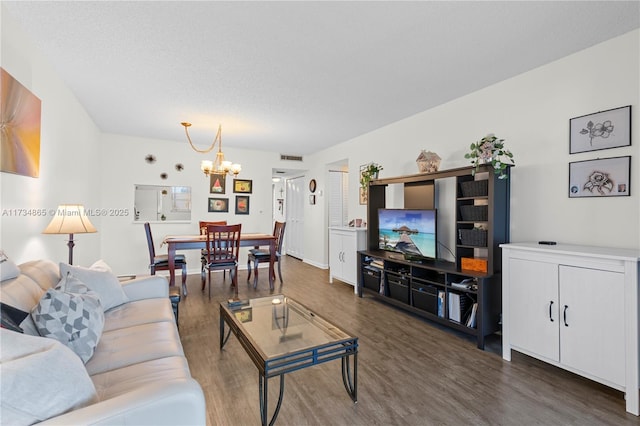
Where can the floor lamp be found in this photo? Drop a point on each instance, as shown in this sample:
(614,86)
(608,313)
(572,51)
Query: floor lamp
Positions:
(70,219)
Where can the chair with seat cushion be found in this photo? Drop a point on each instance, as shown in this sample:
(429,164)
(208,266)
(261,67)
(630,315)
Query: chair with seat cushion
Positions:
(258,255)
(161,262)
(223,247)
(203,252)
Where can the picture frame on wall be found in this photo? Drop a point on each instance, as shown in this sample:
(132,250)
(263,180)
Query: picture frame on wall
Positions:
(242,186)
(363,195)
(242,204)
(312,199)
(606,177)
(218,205)
(21,125)
(217,183)
(600,130)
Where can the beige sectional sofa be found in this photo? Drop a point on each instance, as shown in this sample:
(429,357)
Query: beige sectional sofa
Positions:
(138,373)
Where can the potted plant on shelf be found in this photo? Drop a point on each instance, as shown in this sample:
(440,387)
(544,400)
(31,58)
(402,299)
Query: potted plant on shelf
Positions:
(490,150)
(369,172)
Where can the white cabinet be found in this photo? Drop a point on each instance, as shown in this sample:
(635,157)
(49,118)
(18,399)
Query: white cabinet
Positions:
(574,307)
(344,244)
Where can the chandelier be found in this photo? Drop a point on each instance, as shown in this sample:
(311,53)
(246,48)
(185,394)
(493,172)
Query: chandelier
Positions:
(219,165)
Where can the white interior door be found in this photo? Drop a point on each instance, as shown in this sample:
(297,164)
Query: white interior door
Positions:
(294,236)
(338,198)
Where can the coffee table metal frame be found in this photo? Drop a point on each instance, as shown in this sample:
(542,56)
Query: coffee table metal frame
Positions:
(344,349)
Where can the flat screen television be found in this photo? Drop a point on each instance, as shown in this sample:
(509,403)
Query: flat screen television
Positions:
(408,231)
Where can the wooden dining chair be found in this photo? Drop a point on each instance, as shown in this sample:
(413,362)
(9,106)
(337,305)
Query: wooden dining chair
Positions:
(260,255)
(161,262)
(203,252)
(223,247)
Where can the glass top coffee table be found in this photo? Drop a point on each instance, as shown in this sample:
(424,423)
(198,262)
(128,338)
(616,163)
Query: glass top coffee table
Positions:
(281,335)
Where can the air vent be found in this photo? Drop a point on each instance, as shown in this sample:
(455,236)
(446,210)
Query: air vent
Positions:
(291,157)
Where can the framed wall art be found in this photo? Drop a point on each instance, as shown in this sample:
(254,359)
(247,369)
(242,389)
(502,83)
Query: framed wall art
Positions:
(363,195)
(606,177)
(242,204)
(600,130)
(242,186)
(217,183)
(20,135)
(218,205)
(312,199)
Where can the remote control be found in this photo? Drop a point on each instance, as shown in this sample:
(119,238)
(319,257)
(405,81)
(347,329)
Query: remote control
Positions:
(548,243)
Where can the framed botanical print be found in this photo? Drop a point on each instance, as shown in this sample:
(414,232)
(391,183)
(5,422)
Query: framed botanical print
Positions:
(242,186)
(242,204)
(217,183)
(600,130)
(218,205)
(606,177)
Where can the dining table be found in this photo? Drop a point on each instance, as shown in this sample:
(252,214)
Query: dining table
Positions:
(198,242)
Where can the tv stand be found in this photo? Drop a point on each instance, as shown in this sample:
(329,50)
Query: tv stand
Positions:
(448,293)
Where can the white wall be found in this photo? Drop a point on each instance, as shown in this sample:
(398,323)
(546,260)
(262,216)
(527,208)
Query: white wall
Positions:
(69,148)
(124,246)
(79,164)
(531,112)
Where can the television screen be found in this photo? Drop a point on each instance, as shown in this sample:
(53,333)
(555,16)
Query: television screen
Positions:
(408,231)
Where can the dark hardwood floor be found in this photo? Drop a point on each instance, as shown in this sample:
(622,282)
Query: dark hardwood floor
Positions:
(410,371)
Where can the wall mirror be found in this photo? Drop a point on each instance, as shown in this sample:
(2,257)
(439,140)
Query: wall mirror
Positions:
(162,203)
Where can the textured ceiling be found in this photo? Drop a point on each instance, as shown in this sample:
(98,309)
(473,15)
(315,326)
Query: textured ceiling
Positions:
(297,77)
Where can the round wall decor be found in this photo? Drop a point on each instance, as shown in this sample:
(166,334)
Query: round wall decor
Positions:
(312,185)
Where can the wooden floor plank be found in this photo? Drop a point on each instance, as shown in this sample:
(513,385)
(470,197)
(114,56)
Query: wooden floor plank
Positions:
(410,371)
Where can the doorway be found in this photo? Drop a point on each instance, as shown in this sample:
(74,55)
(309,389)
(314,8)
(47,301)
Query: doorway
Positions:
(294,212)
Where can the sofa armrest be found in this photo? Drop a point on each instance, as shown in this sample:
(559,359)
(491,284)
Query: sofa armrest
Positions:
(176,402)
(146,287)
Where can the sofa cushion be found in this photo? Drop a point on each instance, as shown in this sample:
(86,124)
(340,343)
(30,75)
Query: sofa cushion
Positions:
(100,279)
(123,380)
(12,317)
(72,314)
(8,268)
(41,378)
(45,273)
(127,346)
(137,313)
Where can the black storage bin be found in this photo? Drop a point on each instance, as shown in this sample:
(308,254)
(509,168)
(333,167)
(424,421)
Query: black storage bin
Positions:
(398,287)
(473,237)
(425,297)
(475,188)
(469,213)
(371,278)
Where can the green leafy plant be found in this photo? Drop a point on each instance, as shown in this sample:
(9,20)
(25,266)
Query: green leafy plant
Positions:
(490,150)
(369,172)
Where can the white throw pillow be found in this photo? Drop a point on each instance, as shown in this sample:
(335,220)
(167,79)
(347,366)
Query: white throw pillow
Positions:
(71,313)
(100,279)
(41,378)
(8,268)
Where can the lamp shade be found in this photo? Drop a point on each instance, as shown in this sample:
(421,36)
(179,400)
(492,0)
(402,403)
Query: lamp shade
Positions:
(70,219)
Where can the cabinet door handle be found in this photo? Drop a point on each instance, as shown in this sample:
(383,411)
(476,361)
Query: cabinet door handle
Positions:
(565,315)
(550,306)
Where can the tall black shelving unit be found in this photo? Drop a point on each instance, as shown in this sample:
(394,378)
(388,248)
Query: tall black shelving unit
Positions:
(428,287)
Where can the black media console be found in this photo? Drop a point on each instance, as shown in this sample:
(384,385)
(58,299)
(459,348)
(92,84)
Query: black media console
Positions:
(466,294)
